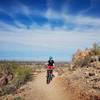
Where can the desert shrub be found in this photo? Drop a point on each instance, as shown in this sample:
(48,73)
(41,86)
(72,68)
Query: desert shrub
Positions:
(95,49)
(10,88)
(22,75)
(18,98)
(82,62)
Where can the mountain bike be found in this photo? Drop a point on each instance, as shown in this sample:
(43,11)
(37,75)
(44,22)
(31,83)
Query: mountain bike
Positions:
(49,76)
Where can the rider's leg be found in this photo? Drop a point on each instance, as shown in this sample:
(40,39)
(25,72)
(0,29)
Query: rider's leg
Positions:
(52,73)
(48,72)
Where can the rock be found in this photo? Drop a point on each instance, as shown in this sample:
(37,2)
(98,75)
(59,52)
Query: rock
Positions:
(91,74)
(97,86)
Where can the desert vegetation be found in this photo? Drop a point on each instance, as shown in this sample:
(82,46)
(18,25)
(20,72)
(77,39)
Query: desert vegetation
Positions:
(12,76)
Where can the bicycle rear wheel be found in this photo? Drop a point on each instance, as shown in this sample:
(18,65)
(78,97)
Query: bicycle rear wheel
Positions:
(49,76)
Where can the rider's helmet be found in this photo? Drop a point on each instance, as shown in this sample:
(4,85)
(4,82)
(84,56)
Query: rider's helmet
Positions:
(50,57)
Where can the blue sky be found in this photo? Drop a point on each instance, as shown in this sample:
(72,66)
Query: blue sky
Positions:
(37,29)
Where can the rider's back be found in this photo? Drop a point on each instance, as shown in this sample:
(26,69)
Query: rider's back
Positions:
(50,62)
(50,65)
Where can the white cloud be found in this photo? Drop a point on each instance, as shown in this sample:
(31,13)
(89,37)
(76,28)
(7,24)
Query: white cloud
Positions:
(19,9)
(45,38)
(51,14)
(77,20)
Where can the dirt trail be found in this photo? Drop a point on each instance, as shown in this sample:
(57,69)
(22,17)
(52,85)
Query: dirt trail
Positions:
(39,90)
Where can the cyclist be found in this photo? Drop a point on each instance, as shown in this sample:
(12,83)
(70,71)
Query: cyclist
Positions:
(50,66)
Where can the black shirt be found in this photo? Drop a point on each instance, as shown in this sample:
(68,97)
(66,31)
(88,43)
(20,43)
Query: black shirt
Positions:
(50,62)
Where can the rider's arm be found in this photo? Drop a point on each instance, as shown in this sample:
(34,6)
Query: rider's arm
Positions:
(54,64)
(46,65)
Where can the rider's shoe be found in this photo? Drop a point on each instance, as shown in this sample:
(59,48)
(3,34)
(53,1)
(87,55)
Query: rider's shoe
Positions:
(53,75)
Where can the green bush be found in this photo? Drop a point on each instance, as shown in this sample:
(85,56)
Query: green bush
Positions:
(22,75)
(18,98)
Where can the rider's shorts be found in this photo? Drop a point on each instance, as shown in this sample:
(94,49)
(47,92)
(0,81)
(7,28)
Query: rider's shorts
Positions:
(50,67)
